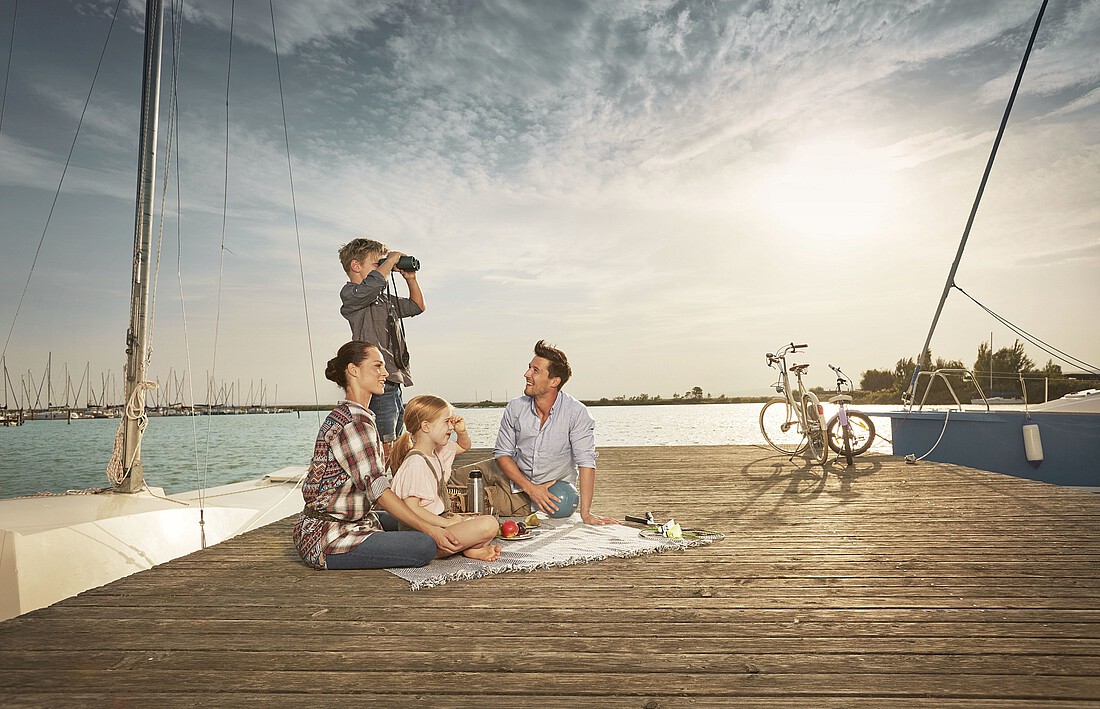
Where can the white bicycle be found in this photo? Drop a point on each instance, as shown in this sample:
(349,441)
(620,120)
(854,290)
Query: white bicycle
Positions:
(851,432)
(794,423)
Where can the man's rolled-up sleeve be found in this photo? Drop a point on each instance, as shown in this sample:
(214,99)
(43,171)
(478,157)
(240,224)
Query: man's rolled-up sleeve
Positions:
(506,436)
(582,440)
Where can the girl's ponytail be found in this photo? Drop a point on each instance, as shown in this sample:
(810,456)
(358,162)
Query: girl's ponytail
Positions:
(399,449)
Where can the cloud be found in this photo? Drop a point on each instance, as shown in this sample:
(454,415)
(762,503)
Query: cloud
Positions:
(1053,255)
(1068,34)
(486,89)
(299,23)
(1092,98)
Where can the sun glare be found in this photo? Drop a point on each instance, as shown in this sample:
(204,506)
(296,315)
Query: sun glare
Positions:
(833,188)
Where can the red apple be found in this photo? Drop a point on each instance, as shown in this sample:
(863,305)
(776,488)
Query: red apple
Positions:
(509,529)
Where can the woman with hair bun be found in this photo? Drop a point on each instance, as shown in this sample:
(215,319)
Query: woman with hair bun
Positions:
(346,486)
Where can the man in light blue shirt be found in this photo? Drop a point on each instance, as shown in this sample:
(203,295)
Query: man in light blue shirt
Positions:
(547,435)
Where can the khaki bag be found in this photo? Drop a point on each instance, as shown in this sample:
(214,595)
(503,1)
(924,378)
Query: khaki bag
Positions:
(498,488)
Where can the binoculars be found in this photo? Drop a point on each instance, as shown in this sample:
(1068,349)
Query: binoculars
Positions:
(406,263)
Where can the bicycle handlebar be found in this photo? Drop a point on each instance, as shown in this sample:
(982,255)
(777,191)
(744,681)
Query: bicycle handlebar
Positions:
(792,347)
(841,378)
(777,358)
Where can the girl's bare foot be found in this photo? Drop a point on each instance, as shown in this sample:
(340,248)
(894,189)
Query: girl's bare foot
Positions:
(485,553)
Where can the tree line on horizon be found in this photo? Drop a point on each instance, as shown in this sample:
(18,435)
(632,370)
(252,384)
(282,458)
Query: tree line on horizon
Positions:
(996,373)
(886,386)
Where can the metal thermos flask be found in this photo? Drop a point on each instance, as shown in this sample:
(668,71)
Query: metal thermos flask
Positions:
(475,493)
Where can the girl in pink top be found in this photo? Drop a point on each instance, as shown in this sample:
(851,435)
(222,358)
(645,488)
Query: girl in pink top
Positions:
(423,457)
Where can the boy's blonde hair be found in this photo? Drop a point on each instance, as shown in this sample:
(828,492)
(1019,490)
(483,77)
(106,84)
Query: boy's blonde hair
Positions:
(358,250)
(418,411)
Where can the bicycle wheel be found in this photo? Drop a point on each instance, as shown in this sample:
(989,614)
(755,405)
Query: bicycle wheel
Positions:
(848,444)
(818,446)
(862,430)
(780,428)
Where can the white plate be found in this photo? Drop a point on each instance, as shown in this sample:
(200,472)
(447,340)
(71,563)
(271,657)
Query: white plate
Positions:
(517,538)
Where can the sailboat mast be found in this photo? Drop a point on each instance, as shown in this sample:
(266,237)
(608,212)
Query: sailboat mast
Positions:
(911,394)
(136,336)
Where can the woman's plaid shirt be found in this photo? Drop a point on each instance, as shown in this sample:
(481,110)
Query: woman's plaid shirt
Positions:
(344,481)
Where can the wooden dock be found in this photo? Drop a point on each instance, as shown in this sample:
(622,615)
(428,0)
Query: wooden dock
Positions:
(886,585)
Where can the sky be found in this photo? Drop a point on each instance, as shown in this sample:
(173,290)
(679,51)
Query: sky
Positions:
(666,190)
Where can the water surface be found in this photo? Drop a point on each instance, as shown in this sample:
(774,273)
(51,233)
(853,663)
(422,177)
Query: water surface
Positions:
(185,453)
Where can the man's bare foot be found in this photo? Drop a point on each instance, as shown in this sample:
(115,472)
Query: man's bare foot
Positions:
(485,553)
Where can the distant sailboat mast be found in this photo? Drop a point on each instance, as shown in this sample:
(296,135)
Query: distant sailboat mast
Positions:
(136,336)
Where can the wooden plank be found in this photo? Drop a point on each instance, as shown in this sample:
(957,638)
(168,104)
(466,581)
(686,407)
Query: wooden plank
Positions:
(655,679)
(516,656)
(181,638)
(456,699)
(791,627)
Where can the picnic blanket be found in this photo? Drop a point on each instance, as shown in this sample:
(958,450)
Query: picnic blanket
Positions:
(557,542)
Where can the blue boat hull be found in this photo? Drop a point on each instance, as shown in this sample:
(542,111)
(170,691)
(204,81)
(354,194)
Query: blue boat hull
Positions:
(994,441)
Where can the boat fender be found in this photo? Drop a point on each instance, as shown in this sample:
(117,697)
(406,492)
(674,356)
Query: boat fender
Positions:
(1033,444)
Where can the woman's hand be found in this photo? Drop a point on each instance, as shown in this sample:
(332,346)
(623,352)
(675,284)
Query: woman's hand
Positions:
(444,539)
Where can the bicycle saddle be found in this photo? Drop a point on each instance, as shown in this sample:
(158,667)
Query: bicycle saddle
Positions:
(799,367)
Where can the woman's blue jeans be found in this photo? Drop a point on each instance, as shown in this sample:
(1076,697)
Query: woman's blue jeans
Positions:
(383,550)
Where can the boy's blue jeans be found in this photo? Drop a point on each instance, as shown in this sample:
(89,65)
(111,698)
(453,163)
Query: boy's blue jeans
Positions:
(388,408)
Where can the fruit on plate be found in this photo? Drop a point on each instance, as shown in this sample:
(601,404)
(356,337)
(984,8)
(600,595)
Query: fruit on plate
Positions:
(522,527)
(509,529)
(532,520)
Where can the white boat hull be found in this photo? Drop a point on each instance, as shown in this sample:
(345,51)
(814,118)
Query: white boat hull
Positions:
(57,546)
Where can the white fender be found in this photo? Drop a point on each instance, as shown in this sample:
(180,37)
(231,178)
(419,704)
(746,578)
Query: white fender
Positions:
(1033,443)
